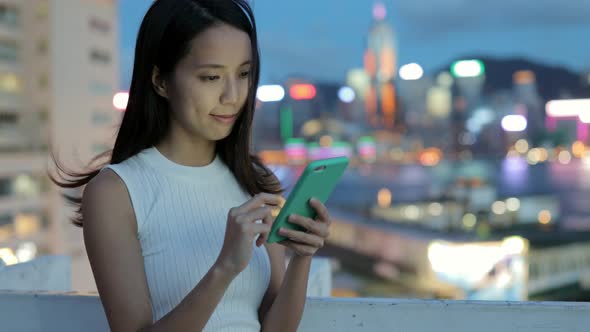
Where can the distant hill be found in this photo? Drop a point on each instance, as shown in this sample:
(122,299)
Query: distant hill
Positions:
(552,81)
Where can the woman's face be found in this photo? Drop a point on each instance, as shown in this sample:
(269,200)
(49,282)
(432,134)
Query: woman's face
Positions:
(210,85)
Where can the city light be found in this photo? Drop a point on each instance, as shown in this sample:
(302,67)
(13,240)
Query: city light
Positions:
(564,157)
(534,156)
(567,108)
(467,262)
(26,252)
(469,220)
(120,100)
(302,91)
(295,150)
(367,149)
(514,123)
(311,127)
(467,68)
(411,72)
(346,94)
(326,141)
(435,209)
(270,93)
(379,11)
(523,77)
(585,117)
(499,207)
(430,157)
(445,79)
(544,217)
(359,80)
(384,198)
(481,118)
(578,149)
(411,212)
(7,255)
(513,204)
(439,101)
(514,245)
(521,146)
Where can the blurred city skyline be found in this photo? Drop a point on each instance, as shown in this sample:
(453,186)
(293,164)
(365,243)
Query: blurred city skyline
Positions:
(429,32)
(469,182)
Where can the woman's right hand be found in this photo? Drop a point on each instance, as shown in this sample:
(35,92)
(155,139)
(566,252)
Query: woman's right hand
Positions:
(242,229)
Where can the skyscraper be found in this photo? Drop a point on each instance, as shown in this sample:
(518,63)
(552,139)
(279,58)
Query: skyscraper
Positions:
(381,66)
(58,73)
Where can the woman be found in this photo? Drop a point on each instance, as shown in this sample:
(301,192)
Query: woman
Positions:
(172,223)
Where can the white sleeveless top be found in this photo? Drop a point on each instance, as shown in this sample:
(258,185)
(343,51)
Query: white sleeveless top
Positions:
(181,216)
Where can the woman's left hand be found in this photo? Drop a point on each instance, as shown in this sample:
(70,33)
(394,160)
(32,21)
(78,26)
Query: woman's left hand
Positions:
(306,243)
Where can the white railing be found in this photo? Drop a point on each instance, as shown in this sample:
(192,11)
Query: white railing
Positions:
(35,311)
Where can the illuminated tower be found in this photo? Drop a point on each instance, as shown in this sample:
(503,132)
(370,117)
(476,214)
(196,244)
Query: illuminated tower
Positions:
(381,66)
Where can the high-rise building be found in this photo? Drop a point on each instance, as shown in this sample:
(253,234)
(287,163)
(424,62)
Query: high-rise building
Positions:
(381,66)
(58,73)
(528,101)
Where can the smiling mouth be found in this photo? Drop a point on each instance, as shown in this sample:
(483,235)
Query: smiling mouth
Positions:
(226,119)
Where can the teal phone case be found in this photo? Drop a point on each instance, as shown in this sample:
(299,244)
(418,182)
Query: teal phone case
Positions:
(317,180)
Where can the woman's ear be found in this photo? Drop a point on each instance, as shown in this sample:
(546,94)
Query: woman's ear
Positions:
(159,83)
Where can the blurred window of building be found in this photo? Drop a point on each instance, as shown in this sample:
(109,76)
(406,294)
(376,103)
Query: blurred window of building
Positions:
(6,219)
(42,10)
(43,81)
(43,114)
(99,25)
(6,227)
(5,187)
(8,51)
(10,83)
(25,186)
(42,46)
(100,56)
(9,16)
(27,225)
(7,118)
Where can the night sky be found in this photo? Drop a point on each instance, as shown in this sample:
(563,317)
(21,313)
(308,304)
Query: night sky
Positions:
(322,39)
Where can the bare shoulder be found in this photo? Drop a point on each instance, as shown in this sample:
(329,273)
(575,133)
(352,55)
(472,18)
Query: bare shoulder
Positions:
(114,252)
(107,191)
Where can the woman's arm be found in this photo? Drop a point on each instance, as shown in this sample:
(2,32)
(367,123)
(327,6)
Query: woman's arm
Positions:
(287,308)
(110,236)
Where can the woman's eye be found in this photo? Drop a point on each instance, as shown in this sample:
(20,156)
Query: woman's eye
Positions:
(209,78)
(245,74)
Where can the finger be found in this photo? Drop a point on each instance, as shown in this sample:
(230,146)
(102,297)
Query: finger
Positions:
(321,209)
(259,200)
(302,249)
(260,229)
(261,213)
(267,220)
(313,226)
(302,238)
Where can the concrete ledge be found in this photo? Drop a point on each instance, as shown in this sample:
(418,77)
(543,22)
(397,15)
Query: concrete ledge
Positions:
(46,273)
(393,315)
(36,312)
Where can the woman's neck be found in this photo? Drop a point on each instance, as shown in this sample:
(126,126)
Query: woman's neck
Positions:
(187,151)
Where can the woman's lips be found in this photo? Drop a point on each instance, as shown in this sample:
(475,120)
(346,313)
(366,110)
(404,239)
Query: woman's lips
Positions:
(225,119)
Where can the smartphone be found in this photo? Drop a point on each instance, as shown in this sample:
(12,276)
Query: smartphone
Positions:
(317,181)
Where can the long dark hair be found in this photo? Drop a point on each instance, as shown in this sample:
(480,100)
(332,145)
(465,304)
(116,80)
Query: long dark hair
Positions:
(163,40)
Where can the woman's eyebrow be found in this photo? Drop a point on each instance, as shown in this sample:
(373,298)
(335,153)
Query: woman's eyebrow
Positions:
(214,65)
